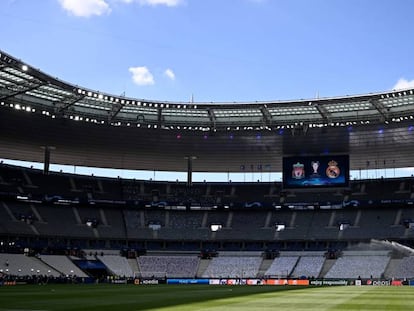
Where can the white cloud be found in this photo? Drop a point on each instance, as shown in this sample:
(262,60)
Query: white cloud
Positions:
(169,3)
(403,84)
(85,8)
(169,74)
(141,76)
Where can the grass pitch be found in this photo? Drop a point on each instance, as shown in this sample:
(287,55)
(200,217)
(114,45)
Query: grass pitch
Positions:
(203,297)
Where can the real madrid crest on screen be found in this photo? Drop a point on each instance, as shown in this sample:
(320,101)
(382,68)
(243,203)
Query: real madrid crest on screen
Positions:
(333,171)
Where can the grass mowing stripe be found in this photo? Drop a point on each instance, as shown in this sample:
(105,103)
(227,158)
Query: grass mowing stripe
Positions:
(107,297)
(383,298)
(328,298)
(200,297)
(304,299)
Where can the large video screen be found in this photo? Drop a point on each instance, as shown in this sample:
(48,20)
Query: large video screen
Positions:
(316,171)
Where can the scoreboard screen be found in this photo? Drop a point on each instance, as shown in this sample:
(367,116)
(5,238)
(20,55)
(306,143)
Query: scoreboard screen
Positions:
(316,171)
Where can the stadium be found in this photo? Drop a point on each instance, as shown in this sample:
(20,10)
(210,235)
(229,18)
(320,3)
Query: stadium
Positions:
(329,228)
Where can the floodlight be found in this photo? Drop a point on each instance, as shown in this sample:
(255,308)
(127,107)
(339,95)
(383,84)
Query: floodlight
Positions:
(280,227)
(215,227)
(343,226)
(93,223)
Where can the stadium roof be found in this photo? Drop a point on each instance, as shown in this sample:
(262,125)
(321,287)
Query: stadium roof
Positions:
(159,134)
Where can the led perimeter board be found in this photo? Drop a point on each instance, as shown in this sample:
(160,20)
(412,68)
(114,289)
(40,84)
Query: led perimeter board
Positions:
(315,171)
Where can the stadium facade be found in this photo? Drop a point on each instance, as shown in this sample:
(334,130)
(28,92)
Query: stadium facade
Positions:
(90,128)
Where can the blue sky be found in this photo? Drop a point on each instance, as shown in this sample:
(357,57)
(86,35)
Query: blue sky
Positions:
(216,50)
(227,50)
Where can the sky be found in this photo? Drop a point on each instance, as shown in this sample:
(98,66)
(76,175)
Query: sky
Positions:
(216,50)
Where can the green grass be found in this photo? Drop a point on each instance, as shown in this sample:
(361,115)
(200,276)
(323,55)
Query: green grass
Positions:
(203,297)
